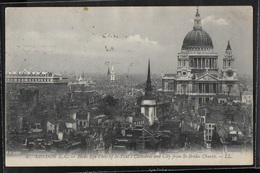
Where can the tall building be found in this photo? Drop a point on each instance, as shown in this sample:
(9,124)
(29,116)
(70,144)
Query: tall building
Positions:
(31,77)
(198,75)
(149,104)
(48,85)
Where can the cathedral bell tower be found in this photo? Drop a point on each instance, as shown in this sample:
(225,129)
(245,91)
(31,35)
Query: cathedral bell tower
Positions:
(112,74)
(228,71)
(148,104)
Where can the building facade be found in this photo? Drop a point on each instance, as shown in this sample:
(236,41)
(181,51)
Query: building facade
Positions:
(39,85)
(31,77)
(247,97)
(198,75)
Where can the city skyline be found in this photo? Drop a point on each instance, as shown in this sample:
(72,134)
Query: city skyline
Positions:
(72,39)
(136,83)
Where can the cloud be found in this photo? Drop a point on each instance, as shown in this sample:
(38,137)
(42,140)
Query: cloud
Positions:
(137,38)
(214,20)
(64,49)
(98,45)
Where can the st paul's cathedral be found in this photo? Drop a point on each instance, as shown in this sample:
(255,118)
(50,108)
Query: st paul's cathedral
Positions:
(198,75)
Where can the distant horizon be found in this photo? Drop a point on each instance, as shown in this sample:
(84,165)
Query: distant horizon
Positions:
(118,74)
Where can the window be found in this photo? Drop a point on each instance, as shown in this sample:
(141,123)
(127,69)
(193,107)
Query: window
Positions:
(208,137)
(166,85)
(200,100)
(191,63)
(202,119)
(146,111)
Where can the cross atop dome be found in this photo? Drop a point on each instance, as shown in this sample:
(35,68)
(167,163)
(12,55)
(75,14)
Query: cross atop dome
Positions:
(197,21)
(197,14)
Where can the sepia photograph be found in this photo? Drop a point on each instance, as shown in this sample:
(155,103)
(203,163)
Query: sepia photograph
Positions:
(129,86)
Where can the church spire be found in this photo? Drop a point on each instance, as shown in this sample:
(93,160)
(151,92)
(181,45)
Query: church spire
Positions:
(228,46)
(197,20)
(108,71)
(148,88)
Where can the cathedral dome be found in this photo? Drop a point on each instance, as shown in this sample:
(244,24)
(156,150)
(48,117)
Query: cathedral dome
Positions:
(197,38)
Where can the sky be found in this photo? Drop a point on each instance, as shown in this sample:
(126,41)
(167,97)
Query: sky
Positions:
(89,39)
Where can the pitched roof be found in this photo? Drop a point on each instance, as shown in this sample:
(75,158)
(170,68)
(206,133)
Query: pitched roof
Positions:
(208,77)
(226,128)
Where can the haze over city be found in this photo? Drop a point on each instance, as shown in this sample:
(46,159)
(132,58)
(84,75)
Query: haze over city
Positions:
(85,39)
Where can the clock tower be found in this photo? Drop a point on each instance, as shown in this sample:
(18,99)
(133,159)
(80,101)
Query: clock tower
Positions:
(228,71)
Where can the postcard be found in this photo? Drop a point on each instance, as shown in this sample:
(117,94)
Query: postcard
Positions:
(129,86)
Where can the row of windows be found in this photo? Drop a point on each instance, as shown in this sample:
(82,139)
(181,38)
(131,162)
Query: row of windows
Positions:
(227,63)
(139,122)
(82,123)
(210,126)
(29,80)
(248,101)
(40,75)
(208,138)
(204,88)
(204,100)
(209,131)
(195,50)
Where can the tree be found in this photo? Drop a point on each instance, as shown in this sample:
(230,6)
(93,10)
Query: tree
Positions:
(109,101)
